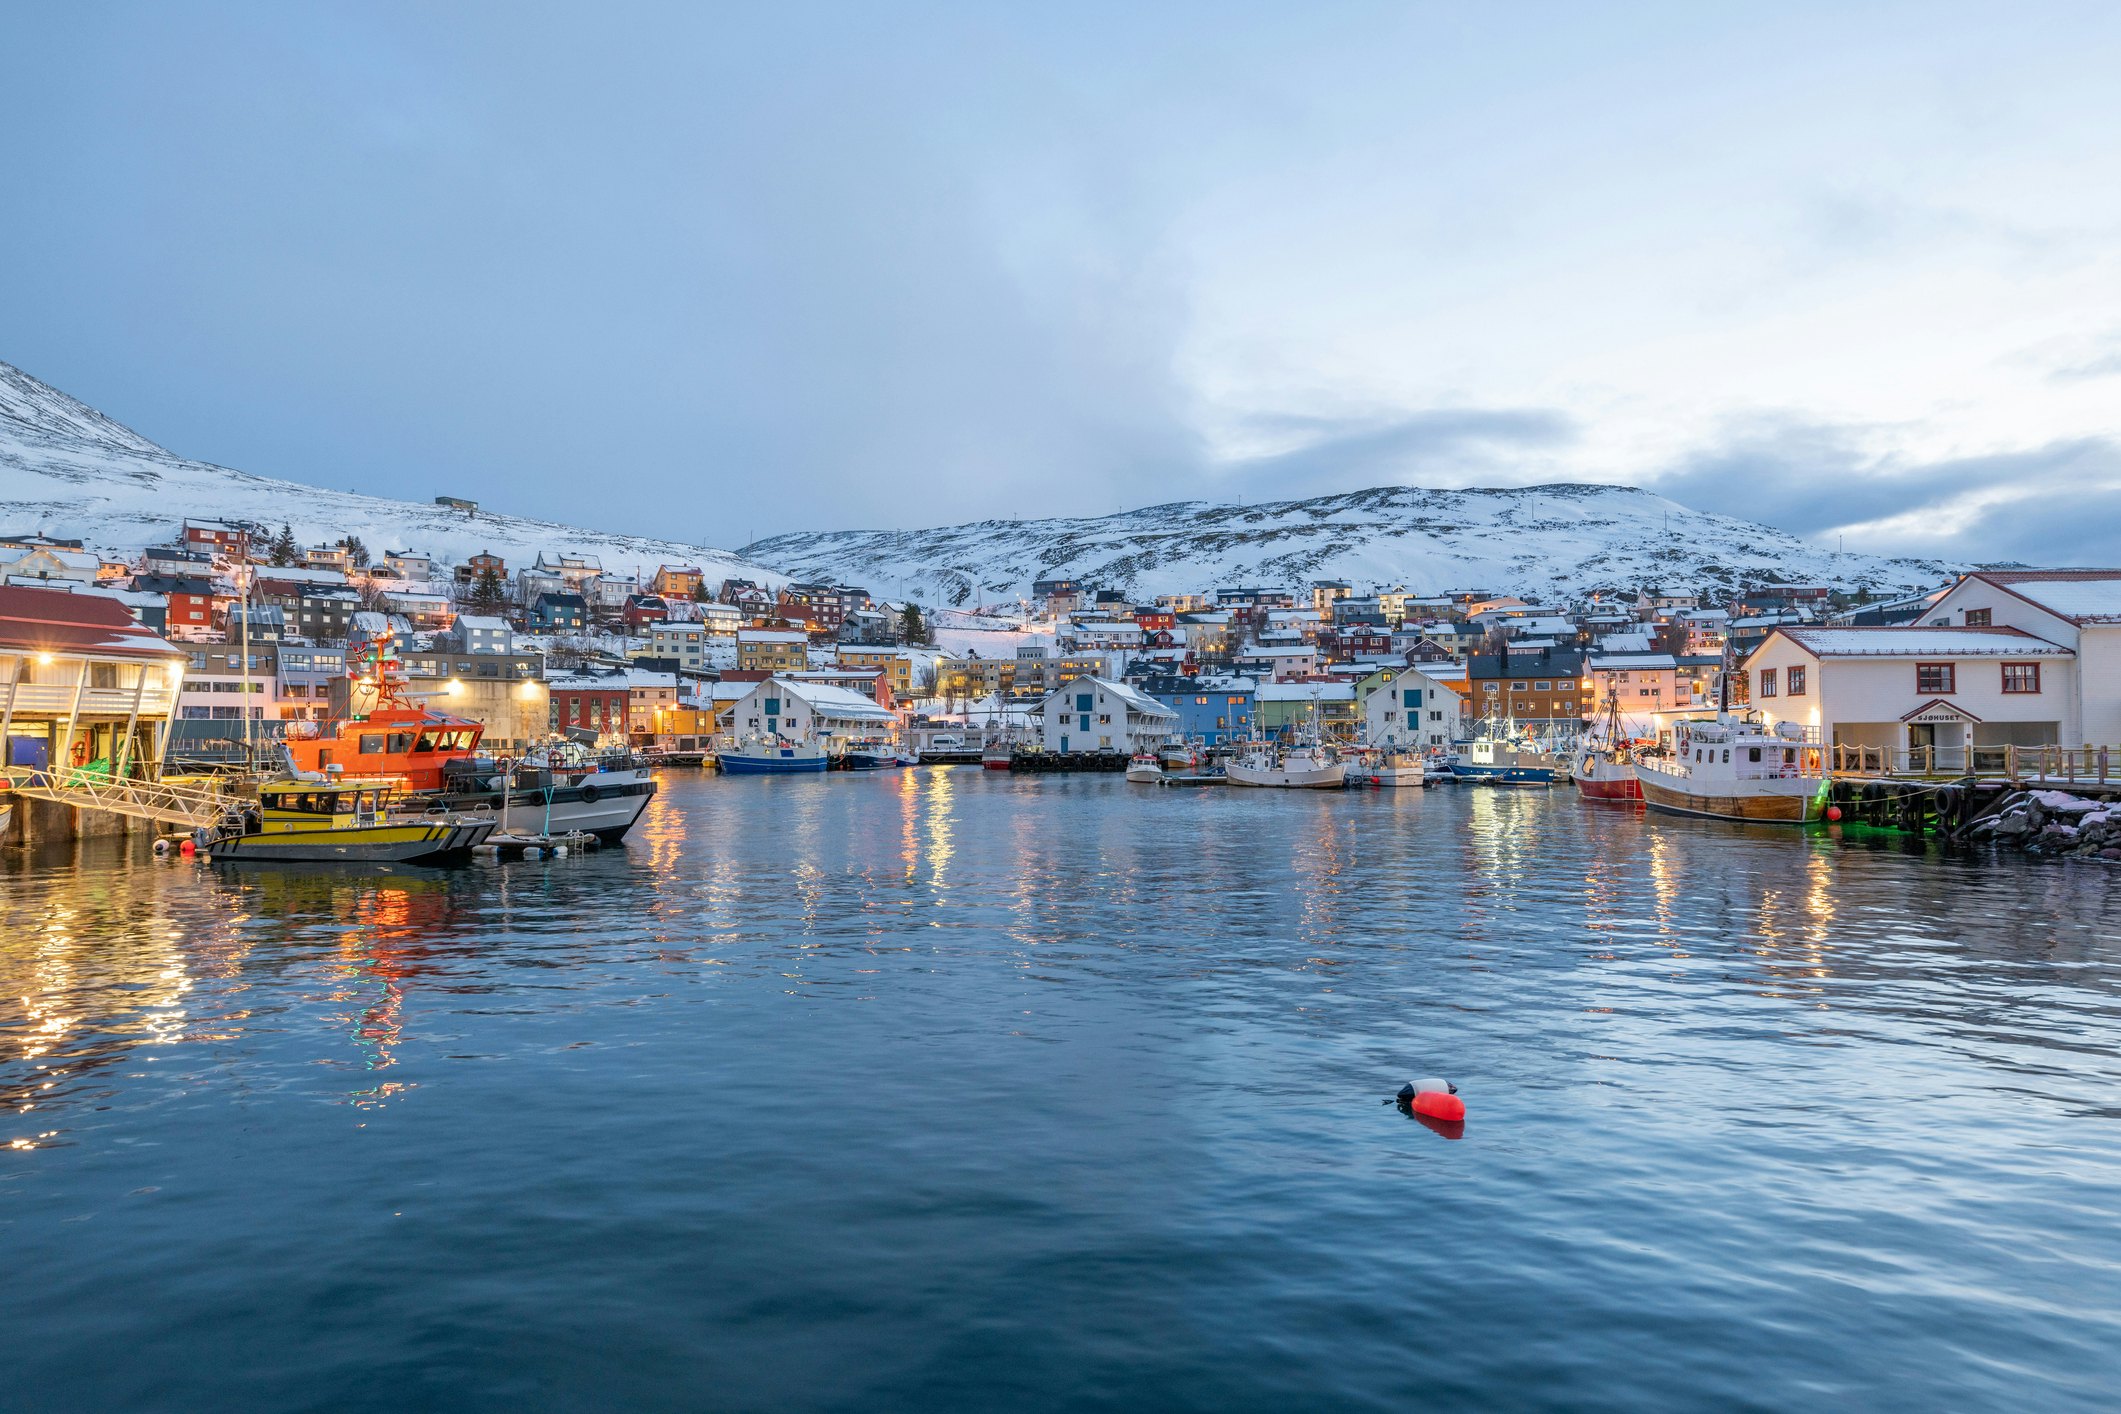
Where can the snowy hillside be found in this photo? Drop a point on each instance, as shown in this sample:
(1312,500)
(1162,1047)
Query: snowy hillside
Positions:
(67,470)
(1535,540)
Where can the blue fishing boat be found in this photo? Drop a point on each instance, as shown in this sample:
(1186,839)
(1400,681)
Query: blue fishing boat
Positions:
(1495,762)
(773,756)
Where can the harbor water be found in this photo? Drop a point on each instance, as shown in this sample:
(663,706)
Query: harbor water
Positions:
(949,1089)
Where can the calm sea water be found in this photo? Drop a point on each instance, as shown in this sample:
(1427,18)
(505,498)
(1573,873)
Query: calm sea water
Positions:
(945,1089)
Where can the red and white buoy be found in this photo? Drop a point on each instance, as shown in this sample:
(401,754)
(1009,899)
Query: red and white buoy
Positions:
(1434,1099)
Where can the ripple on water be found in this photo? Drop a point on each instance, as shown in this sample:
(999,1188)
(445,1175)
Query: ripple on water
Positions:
(946,1088)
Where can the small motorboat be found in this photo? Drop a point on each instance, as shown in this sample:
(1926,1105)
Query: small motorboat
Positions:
(1145,769)
(341,821)
(871,754)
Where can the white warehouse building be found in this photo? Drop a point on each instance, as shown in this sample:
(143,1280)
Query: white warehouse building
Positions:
(1091,714)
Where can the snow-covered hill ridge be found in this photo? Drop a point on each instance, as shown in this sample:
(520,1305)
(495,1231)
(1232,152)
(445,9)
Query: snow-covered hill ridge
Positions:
(67,470)
(1537,540)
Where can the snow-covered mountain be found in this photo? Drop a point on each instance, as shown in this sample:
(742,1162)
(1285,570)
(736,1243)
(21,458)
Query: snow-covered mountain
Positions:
(67,470)
(1534,540)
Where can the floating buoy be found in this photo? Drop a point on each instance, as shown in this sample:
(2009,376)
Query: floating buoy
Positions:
(1433,1098)
(187,849)
(162,846)
(1833,812)
(559,851)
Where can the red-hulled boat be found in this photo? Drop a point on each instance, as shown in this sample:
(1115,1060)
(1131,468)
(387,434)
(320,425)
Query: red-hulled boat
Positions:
(1604,768)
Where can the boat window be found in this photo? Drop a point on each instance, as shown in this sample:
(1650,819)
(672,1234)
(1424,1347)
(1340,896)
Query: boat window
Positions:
(1752,753)
(343,802)
(372,744)
(1726,755)
(400,742)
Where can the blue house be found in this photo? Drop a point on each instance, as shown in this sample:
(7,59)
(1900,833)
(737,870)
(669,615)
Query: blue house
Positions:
(559,611)
(1213,711)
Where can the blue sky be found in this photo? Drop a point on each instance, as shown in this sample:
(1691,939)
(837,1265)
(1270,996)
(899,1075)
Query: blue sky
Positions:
(721,273)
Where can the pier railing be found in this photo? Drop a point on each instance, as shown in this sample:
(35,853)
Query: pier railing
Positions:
(164,802)
(2088,765)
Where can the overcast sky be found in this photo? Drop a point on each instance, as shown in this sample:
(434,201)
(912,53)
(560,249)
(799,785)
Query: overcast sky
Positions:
(725,273)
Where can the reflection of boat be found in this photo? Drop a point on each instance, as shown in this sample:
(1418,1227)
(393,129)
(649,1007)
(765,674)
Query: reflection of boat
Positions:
(1145,769)
(1737,770)
(343,822)
(1308,765)
(773,756)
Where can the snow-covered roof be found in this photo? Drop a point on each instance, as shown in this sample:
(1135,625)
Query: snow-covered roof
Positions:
(770,635)
(1894,642)
(2081,596)
(829,701)
(1305,691)
(1616,662)
(483,623)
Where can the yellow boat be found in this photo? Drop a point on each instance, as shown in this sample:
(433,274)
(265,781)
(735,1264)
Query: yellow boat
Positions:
(343,822)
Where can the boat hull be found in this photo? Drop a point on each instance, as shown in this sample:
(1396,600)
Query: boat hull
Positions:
(786,764)
(410,843)
(1147,775)
(1618,789)
(1502,775)
(1283,778)
(606,805)
(1762,809)
(1389,777)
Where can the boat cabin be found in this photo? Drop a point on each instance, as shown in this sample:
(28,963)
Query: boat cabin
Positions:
(288,807)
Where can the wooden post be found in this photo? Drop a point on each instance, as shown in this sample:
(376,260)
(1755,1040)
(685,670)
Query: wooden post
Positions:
(132,724)
(73,715)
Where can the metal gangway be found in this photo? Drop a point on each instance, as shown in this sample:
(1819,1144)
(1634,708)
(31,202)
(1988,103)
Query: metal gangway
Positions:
(164,802)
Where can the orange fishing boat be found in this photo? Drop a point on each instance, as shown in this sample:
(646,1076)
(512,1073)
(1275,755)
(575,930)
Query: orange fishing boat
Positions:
(396,737)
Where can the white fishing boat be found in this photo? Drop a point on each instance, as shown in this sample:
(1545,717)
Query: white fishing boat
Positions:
(1145,769)
(1734,769)
(557,789)
(1306,765)
(1389,769)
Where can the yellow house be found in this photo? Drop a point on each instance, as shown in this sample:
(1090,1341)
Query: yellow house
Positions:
(896,664)
(768,650)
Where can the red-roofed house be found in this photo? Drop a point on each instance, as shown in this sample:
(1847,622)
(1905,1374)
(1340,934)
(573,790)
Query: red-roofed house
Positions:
(82,685)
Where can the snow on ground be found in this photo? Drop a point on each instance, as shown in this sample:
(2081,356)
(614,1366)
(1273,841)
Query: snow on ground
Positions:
(1546,541)
(67,470)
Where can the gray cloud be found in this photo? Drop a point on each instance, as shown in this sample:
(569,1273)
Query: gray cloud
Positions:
(1814,479)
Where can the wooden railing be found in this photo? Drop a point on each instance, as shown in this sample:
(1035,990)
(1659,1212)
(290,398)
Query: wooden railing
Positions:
(2089,765)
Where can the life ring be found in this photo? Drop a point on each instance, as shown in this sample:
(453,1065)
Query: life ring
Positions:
(591,795)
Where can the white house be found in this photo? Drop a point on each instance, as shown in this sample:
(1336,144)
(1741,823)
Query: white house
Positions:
(1910,688)
(1411,709)
(802,710)
(1092,714)
(2079,609)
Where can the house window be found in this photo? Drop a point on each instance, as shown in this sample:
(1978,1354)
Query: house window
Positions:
(1568,684)
(1977,618)
(1410,697)
(1544,686)
(1933,678)
(2021,677)
(1491,687)
(1795,682)
(1519,686)
(1767,682)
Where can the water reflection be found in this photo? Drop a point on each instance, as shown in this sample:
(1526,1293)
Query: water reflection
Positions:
(898,1067)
